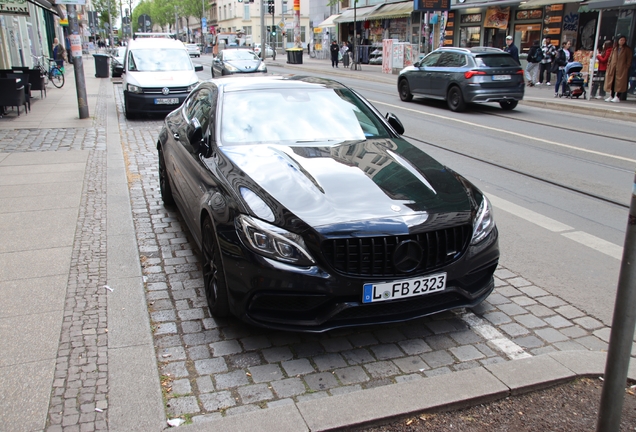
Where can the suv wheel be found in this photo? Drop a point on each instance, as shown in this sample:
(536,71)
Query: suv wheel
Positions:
(455,99)
(508,105)
(405,91)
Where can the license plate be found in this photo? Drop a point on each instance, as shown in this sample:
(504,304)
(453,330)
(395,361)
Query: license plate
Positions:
(500,77)
(377,292)
(167,101)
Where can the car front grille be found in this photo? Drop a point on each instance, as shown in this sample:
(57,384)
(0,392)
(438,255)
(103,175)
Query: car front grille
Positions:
(373,256)
(159,90)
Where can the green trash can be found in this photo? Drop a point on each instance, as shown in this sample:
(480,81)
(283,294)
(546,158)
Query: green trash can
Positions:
(294,55)
(101,65)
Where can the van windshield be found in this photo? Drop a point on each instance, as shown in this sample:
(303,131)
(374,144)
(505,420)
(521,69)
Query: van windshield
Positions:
(159,60)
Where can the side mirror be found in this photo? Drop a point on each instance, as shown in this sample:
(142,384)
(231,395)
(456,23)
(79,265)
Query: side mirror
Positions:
(395,123)
(195,136)
(198,68)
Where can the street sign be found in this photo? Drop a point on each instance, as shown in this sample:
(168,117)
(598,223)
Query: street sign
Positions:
(281,25)
(204,22)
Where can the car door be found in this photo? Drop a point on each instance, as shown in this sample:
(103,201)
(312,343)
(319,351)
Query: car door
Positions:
(198,112)
(420,79)
(444,72)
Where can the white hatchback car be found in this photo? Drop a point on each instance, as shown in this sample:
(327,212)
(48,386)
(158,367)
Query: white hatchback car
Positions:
(193,50)
(269,52)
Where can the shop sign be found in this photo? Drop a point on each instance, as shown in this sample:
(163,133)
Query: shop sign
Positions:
(531,14)
(471,18)
(71,2)
(14,7)
(431,5)
(497,17)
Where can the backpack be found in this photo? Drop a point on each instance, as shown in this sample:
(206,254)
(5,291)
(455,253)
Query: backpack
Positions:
(538,55)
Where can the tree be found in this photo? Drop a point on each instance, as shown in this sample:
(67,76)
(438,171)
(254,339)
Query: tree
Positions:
(101,6)
(143,8)
(162,12)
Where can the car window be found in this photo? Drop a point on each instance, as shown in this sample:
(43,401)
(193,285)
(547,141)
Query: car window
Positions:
(495,60)
(199,106)
(159,60)
(451,59)
(239,55)
(297,116)
(431,59)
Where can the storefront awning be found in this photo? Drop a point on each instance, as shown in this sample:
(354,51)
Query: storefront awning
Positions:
(361,14)
(329,21)
(392,10)
(540,3)
(481,3)
(608,4)
(44,4)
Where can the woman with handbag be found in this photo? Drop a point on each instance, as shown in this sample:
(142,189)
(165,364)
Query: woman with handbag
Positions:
(598,82)
(334,50)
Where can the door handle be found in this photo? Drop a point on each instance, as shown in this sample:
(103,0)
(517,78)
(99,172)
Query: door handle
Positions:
(175,136)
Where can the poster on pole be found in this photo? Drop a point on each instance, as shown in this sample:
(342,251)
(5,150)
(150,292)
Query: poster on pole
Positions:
(76,45)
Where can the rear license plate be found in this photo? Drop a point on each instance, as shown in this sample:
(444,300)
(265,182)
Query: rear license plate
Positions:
(500,77)
(167,101)
(377,292)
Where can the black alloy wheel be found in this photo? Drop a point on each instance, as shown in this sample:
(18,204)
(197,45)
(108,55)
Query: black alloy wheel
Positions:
(213,276)
(455,99)
(164,181)
(508,105)
(405,91)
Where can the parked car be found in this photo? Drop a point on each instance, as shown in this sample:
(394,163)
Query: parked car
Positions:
(269,52)
(237,61)
(464,75)
(312,219)
(117,61)
(194,50)
(158,75)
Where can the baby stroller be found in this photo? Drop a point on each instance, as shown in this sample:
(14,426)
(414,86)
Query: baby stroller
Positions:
(574,81)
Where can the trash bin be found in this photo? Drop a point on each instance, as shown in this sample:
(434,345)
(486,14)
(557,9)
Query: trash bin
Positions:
(101,65)
(294,55)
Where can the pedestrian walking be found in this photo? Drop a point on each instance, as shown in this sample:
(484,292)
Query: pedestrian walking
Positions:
(334,49)
(618,66)
(562,58)
(535,55)
(344,52)
(549,52)
(512,49)
(598,81)
(59,53)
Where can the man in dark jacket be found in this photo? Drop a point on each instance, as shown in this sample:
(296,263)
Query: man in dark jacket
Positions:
(535,55)
(512,49)
(334,49)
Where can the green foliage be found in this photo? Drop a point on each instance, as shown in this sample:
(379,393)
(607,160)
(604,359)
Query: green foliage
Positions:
(145,7)
(101,6)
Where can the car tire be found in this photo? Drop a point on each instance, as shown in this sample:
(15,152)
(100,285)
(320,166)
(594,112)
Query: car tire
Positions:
(213,275)
(508,105)
(455,99)
(164,182)
(405,91)
(127,112)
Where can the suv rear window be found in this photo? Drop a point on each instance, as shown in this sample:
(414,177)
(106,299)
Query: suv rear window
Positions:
(495,60)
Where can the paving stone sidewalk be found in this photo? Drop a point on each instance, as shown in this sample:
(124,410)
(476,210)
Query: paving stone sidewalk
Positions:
(220,367)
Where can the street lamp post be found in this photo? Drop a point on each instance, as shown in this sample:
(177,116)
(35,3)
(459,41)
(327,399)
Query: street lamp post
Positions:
(356,63)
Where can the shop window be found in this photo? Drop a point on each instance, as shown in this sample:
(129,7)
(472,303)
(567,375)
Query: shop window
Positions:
(526,34)
(469,37)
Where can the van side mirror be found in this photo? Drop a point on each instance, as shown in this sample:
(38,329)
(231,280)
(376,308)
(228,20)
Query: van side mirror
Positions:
(198,68)
(395,123)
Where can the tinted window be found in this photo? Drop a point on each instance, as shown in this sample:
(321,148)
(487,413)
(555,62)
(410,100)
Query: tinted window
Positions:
(431,59)
(297,115)
(495,60)
(239,55)
(199,106)
(449,59)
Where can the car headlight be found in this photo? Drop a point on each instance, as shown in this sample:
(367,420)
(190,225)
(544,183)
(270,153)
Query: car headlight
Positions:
(262,67)
(134,89)
(484,222)
(192,86)
(230,67)
(273,242)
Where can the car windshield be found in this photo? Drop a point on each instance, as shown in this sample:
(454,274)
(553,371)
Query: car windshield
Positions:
(239,55)
(495,60)
(159,60)
(297,116)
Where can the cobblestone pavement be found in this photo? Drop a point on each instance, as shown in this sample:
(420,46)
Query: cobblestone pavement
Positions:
(78,399)
(216,367)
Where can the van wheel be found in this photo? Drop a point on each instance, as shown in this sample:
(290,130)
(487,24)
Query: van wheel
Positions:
(455,99)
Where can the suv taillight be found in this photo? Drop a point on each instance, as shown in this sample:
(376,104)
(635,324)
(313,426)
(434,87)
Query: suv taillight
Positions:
(472,73)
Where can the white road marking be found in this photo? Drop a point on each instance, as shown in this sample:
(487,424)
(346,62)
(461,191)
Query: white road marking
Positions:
(504,131)
(589,240)
(494,336)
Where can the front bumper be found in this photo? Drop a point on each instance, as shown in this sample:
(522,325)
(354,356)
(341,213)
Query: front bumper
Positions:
(271,294)
(145,103)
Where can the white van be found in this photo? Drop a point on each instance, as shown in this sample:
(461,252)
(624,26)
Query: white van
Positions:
(158,76)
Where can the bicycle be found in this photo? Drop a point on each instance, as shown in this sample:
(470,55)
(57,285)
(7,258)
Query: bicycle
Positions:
(53,73)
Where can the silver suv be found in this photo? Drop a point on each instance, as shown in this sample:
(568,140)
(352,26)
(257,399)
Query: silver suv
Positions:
(464,75)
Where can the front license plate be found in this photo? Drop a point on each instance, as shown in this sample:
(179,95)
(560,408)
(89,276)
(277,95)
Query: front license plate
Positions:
(167,101)
(377,292)
(500,77)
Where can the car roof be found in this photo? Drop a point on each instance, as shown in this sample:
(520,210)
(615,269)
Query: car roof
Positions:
(233,84)
(473,50)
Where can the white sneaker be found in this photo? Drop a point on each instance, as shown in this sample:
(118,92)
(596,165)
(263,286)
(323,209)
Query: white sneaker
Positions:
(538,83)
(607,99)
(598,97)
(615,100)
(548,83)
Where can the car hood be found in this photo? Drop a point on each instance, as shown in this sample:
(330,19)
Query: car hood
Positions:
(244,65)
(355,181)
